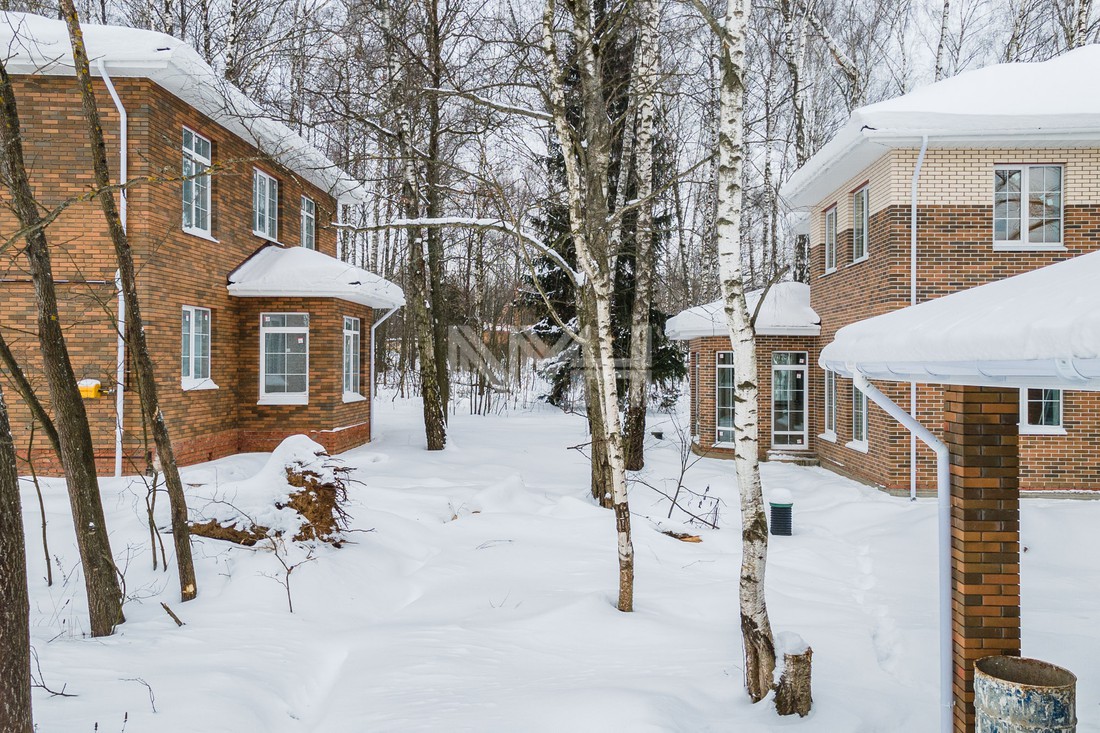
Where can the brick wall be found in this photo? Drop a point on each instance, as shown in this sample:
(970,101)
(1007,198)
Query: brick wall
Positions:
(704,351)
(955,252)
(175,268)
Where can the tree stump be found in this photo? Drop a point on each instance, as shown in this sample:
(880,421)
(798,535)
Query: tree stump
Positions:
(792,695)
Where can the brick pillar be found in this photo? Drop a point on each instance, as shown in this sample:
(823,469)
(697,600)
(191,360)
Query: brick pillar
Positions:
(981,431)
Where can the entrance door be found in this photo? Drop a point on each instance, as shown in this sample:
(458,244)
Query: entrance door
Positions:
(789,376)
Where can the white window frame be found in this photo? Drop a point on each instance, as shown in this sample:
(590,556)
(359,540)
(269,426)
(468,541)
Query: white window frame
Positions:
(805,370)
(188,381)
(194,158)
(308,216)
(718,431)
(1029,428)
(864,225)
(858,442)
(830,239)
(1024,243)
(352,363)
(265,205)
(282,398)
(830,407)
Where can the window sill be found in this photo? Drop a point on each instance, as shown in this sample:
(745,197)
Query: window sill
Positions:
(265,237)
(725,445)
(864,258)
(828,272)
(196,385)
(353,397)
(828,435)
(284,399)
(200,234)
(1018,247)
(1042,430)
(858,445)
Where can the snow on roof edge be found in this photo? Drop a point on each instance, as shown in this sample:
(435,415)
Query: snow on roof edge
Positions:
(786,312)
(35,44)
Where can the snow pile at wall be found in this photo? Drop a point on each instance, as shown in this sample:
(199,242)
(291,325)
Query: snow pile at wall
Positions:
(297,494)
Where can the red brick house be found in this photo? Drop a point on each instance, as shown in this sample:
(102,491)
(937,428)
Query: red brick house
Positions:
(947,188)
(258,330)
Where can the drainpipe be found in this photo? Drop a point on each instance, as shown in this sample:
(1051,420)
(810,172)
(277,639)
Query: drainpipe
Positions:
(913,301)
(374,327)
(943,498)
(120,369)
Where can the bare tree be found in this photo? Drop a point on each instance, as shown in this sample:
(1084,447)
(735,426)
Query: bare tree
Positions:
(71,420)
(15,639)
(144,369)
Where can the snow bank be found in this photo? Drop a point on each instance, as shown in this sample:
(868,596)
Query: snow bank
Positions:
(261,504)
(786,312)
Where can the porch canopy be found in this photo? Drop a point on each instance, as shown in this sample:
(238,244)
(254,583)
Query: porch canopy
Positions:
(296,272)
(1038,329)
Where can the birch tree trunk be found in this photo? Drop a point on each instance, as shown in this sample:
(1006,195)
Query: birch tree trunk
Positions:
(15,639)
(144,369)
(942,44)
(71,419)
(756,632)
(587,158)
(644,80)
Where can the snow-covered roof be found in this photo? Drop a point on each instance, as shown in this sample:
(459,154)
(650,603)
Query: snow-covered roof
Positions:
(297,272)
(786,312)
(1038,329)
(1037,104)
(32,44)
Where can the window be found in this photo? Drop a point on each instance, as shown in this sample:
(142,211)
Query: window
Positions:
(860,225)
(830,240)
(724,388)
(1041,412)
(351,359)
(309,223)
(789,399)
(859,420)
(196,183)
(1027,206)
(195,364)
(284,358)
(830,405)
(265,205)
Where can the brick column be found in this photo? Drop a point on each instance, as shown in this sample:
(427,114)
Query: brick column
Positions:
(981,431)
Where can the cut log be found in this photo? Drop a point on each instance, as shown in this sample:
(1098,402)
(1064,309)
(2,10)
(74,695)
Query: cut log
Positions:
(792,695)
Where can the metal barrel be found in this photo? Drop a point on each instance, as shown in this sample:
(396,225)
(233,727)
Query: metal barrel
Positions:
(1020,695)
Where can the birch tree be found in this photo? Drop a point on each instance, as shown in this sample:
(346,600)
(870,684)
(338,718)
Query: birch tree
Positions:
(144,369)
(586,148)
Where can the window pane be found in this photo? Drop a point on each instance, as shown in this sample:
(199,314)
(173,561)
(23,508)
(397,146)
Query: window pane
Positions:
(186,361)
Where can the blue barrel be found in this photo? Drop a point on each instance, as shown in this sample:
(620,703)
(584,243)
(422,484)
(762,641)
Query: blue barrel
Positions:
(1020,695)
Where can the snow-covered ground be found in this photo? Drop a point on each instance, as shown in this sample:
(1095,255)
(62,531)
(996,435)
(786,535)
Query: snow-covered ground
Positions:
(480,598)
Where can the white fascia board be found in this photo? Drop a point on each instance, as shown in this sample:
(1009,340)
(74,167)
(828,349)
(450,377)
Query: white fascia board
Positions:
(689,334)
(1080,374)
(369,301)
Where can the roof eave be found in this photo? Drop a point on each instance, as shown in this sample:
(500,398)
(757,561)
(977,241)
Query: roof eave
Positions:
(238,291)
(1052,373)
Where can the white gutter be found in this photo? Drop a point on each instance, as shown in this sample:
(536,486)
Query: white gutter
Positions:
(374,327)
(913,301)
(120,369)
(943,499)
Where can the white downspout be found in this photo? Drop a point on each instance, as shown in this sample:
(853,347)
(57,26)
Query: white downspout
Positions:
(120,369)
(943,498)
(373,328)
(913,301)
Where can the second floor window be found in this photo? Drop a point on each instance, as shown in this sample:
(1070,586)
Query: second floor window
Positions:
(1027,206)
(309,223)
(830,240)
(860,225)
(196,183)
(265,205)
